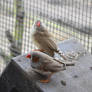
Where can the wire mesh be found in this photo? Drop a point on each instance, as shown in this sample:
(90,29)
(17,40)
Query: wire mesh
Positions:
(64,19)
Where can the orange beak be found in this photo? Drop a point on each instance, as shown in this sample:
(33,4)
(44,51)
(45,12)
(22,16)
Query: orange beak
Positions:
(38,24)
(28,56)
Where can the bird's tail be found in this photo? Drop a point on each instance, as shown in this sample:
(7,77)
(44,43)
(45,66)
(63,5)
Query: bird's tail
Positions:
(61,54)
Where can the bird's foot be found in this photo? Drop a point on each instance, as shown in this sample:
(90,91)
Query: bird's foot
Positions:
(45,81)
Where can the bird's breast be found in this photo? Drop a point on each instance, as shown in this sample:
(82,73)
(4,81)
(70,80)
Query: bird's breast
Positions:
(36,65)
(37,39)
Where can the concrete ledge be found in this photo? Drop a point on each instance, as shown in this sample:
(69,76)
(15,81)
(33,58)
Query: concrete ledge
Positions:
(18,75)
(15,79)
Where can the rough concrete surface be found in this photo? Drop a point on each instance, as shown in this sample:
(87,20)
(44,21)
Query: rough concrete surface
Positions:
(18,74)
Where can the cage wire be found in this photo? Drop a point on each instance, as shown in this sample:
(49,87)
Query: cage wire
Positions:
(64,19)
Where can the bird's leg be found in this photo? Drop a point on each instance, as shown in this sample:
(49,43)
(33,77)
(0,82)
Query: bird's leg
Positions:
(44,81)
(41,50)
(47,80)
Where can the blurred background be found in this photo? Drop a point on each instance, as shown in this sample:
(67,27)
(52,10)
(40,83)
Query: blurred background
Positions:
(64,18)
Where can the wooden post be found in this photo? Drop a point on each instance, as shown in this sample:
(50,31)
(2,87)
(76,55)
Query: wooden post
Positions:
(19,23)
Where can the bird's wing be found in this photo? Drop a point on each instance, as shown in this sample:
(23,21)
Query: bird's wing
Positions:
(52,66)
(49,43)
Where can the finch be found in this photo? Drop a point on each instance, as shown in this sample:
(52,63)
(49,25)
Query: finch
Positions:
(43,40)
(44,63)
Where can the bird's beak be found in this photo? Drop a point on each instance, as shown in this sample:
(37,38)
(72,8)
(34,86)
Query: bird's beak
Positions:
(28,56)
(38,24)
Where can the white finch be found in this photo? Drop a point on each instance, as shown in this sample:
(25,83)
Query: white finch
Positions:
(43,63)
(43,40)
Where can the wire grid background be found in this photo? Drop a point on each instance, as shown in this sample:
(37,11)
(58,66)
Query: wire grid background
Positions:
(64,19)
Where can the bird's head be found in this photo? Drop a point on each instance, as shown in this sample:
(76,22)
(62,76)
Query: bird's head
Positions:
(39,26)
(38,23)
(34,58)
